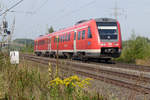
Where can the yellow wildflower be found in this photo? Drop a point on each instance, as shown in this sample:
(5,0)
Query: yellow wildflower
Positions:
(66,80)
(67,83)
(79,84)
(75,77)
(73,84)
(56,81)
(74,81)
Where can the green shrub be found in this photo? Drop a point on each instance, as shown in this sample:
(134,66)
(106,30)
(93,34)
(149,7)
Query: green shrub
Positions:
(135,48)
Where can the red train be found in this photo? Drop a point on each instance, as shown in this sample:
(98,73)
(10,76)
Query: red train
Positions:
(95,38)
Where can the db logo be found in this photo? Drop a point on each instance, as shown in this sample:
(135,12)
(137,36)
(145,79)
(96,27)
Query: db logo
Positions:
(109,43)
(89,43)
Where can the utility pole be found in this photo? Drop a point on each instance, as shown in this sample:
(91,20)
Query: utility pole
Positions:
(116,11)
(10,36)
(6,35)
(3,29)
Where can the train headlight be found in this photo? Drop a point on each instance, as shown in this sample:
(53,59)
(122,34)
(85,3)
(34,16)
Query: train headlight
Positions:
(103,44)
(116,44)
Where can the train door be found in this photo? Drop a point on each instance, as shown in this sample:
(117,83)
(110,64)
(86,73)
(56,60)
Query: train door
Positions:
(74,42)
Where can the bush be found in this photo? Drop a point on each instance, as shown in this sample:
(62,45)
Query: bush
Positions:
(135,48)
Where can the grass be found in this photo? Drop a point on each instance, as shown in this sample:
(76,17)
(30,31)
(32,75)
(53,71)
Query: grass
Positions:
(31,81)
(26,82)
(20,82)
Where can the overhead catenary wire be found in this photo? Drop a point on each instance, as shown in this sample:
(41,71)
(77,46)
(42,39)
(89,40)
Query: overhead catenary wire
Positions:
(32,11)
(11,7)
(73,11)
(10,1)
(25,12)
(79,8)
(42,5)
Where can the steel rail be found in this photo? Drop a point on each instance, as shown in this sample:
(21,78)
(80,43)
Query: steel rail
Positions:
(131,86)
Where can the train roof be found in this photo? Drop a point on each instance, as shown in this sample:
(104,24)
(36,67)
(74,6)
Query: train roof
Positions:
(70,28)
(98,20)
(105,20)
(78,24)
(42,37)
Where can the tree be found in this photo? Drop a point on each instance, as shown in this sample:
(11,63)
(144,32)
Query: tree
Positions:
(51,30)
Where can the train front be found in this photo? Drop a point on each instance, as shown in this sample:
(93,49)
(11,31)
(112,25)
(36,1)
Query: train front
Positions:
(109,37)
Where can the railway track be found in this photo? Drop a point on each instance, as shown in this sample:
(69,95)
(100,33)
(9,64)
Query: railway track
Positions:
(114,64)
(120,65)
(127,66)
(92,71)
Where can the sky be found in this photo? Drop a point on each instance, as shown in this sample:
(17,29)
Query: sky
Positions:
(34,17)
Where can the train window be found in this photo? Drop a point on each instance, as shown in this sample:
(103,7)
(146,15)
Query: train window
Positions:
(66,37)
(58,39)
(74,35)
(41,42)
(46,41)
(79,35)
(83,34)
(69,36)
(63,38)
(89,33)
(55,40)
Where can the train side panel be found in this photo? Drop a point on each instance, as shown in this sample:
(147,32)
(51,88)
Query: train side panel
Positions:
(86,39)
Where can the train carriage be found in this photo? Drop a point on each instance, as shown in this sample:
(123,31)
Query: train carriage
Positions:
(95,38)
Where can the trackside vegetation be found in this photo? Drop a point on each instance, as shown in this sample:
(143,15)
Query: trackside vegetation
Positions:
(26,82)
(23,45)
(137,48)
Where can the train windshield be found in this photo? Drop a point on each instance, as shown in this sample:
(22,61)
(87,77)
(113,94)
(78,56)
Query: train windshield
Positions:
(108,31)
